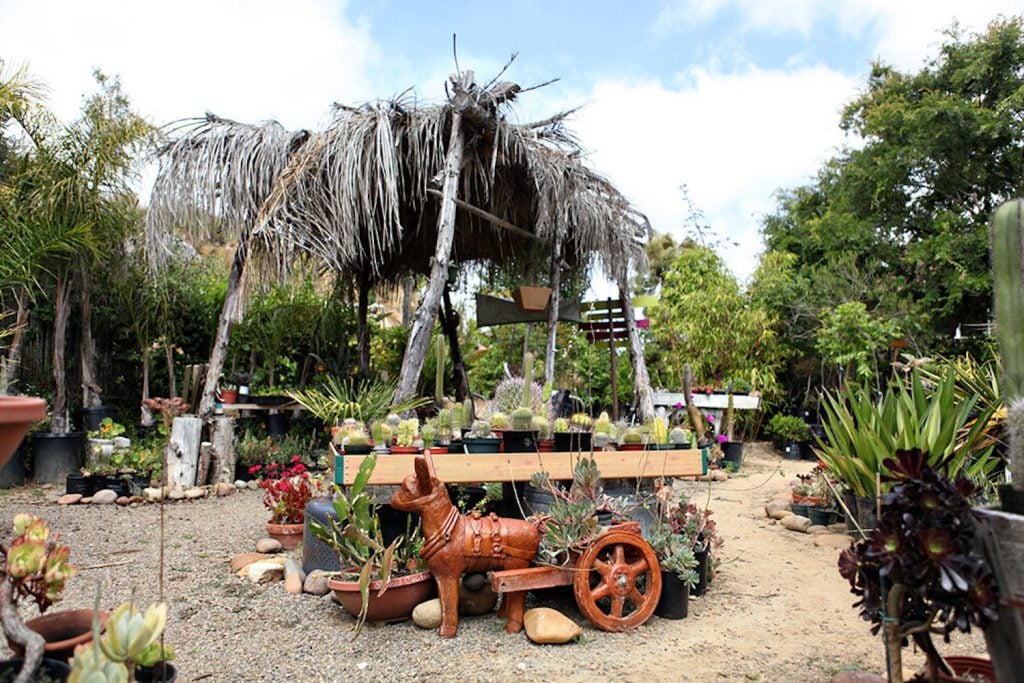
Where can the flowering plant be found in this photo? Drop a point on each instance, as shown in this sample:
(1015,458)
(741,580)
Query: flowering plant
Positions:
(287,490)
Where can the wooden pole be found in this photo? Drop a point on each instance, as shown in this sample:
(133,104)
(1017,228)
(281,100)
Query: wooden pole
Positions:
(613,362)
(223,337)
(423,321)
(641,380)
(362,327)
(450,323)
(556,280)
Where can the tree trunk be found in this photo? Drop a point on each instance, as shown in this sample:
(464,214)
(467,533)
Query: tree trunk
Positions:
(696,422)
(222,455)
(450,323)
(423,322)
(556,283)
(203,468)
(145,414)
(9,369)
(87,350)
(61,313)
(408,292)
(172,375)
(641,380)
(223,337)
(183,451)
(362,324)
(16,631)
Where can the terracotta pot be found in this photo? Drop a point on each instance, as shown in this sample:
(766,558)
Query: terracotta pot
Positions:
(17,413)
(546,445)
(631,446)
(397,603)
(969,669)
(438,450)
(404,450)
(228,395)
(289,535)
(63,631)
(531,298)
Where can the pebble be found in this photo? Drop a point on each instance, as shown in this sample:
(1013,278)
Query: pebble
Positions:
(242,560)
(123,500)
(268,545)
(195,492)
(239,484)
(104,497)
(223,489)
(135,500)
(86,500)
(292,567)
(827,540)
(316,583)
(265,571)
(781,514)
(292,583)
(775,506)
(797,523)
(176,494)
(253,485)
(152,495)
(474,602)
(549,626)
(69,499)
(427,614)
(719,475)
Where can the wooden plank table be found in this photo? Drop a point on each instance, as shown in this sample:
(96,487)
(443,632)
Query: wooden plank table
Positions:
(462,468)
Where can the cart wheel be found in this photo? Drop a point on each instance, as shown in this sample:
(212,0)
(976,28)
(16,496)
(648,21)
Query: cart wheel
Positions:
(618,581)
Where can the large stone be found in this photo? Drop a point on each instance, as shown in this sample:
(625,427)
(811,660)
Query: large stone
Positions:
(104,497)
(475,602)
(152,495)
(69,499)
(781,514)
(177,493)
(268,545)
(242,560)
(239,484)
(123,500)
(549,626)
(797,523)
(223,488)
(292,567)
(775,506)
(195,492)
(816,529)
(265,571)
(253,485)
(292,583)
(427,614)
(833,540)
(316,583)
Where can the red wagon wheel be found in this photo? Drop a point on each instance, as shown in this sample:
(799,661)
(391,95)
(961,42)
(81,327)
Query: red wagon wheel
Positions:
(618,581)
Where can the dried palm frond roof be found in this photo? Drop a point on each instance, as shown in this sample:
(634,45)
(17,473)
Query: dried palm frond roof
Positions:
(362,195)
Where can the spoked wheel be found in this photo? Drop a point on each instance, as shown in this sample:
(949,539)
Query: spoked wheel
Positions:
(618,581)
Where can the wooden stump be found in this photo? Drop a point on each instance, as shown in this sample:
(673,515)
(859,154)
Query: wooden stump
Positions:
(203,469)
(182,457)
(222,453)
(1003,536)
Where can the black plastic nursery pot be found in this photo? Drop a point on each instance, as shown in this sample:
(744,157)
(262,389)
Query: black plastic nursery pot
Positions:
(732,454)
(572,441)
(56,455)
(819,516)
(791,450)
(80,483)
(55,670)
(89,419)
(519,441)
(16,471)
(867,515)
(1012,499)
(674,602)
(703,572)
(164,672)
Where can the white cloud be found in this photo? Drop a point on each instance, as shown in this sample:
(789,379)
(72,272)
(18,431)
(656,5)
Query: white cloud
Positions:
(732,139)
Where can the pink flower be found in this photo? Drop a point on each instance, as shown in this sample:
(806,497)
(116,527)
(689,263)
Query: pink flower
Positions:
(711,418)
(678,405)
(721,438)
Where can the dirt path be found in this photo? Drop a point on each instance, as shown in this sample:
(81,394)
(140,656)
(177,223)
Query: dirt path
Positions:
(777,611)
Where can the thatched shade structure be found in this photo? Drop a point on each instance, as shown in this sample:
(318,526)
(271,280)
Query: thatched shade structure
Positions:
(391,188)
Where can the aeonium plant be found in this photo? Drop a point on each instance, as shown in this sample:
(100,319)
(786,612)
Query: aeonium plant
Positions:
(35,565)
(287,489)
(920,572)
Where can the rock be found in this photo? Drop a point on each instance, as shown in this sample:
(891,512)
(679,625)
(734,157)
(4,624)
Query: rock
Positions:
(86,500)
(253,485)
(781,514)
(856,677)
(816,529)
(176,494)
(123,500)
(719,475)
(549,626)
(827,540)
(69,499)
(475,581)
(104,497)
(239,484)
(476,602)
(223,489)
(292,567)
(797,523)
(775,506)
(316,583)
(53,496)
(134,500)
(263,572)
(242,560)
(427,614)
(268,545)
(292,583)
(152,495)
(839,528)
(195,492)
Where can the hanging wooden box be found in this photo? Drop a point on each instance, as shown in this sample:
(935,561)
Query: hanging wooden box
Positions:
(531,298)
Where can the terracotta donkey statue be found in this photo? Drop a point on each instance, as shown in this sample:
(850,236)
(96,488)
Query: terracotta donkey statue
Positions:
(454,544)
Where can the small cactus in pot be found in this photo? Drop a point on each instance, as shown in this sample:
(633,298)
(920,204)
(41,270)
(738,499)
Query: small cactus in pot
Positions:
(500,421)
(481,429)
(522,419)
(680,437)
(581,422)
(542,426)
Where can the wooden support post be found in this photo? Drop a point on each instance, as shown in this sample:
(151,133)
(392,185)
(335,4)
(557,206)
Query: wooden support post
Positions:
(182,455)
(423,321)
(222,451)
(362,326)
(613,362)
(228,313)
(556,281)
(203,468)
(641,380)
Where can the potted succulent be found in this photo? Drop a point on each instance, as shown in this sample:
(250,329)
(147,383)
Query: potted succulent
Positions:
(286,491)
(130,650)
(603,432)
(356,442)
(541,425)
(407,438)
(428,435)
(378,582)
(678,569)
(519,435)
(632,439)
(444,423)
(701,534)
(481,439)
(657,434)
(921,573)
(578,438)
(382,436)
(789,431)
(35,565)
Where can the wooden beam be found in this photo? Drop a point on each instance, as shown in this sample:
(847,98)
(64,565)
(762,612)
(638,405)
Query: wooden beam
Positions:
(461,468)
(487,216)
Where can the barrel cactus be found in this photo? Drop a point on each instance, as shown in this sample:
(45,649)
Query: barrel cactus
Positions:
(1007,233)
(522,419)
(500,421)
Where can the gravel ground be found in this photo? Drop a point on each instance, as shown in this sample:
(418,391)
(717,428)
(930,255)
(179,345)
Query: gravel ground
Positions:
(778,610)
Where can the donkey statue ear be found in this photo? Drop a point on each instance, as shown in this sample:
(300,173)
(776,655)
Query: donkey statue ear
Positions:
(422,472)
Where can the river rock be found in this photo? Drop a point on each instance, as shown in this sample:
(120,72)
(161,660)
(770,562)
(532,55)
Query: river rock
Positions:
(816,529)
(242,560)
(69,499)
(223,489)
(832,540)
(292,583)
(104,497)
(427,614)
(134,500)
(195,493)
(86,500)
(177,493)
(775,506)
(797,523)
(239,484)
(316,583)
(253,485)
(152,495)
(263,572)
(268,545)
(123,500)
(549,626)
(781,514)
(475,602)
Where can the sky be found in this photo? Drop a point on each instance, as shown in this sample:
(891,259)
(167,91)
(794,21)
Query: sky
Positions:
(732,99)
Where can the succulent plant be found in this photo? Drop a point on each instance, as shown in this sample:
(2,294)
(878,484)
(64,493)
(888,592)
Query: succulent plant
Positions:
(407,432)
(561,425)
(678,436)
(481,429)
(658,430)
(632,437)
(581,422)
(500,421)
(393,420)
(357,438)
(381,433)
(522,419)
(542,426)
(428,433)
(603,424)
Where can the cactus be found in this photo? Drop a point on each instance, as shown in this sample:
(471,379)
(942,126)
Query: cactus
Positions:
(525,401)
(463,415)
(357,438)
(481,429)
(500,421)
(393,420)
(443,424)
(561,425)
(679,437)
(381,434)
(632,437)
(1007,233)
(603,424)
(541,425)
(407,431)
(581,422)
(428,433)
(522,419)
(658,430)
(727,418)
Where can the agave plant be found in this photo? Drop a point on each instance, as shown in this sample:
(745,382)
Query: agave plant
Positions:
(339,399)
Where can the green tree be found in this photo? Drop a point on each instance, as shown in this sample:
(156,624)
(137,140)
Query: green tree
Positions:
(850,337)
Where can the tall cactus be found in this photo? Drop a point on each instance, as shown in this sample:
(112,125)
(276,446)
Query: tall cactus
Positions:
(1007,235)
(526,401)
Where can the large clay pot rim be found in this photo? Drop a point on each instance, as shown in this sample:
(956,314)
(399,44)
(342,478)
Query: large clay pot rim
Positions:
(295,528)
(395,582)
(21,409)
(80,617)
